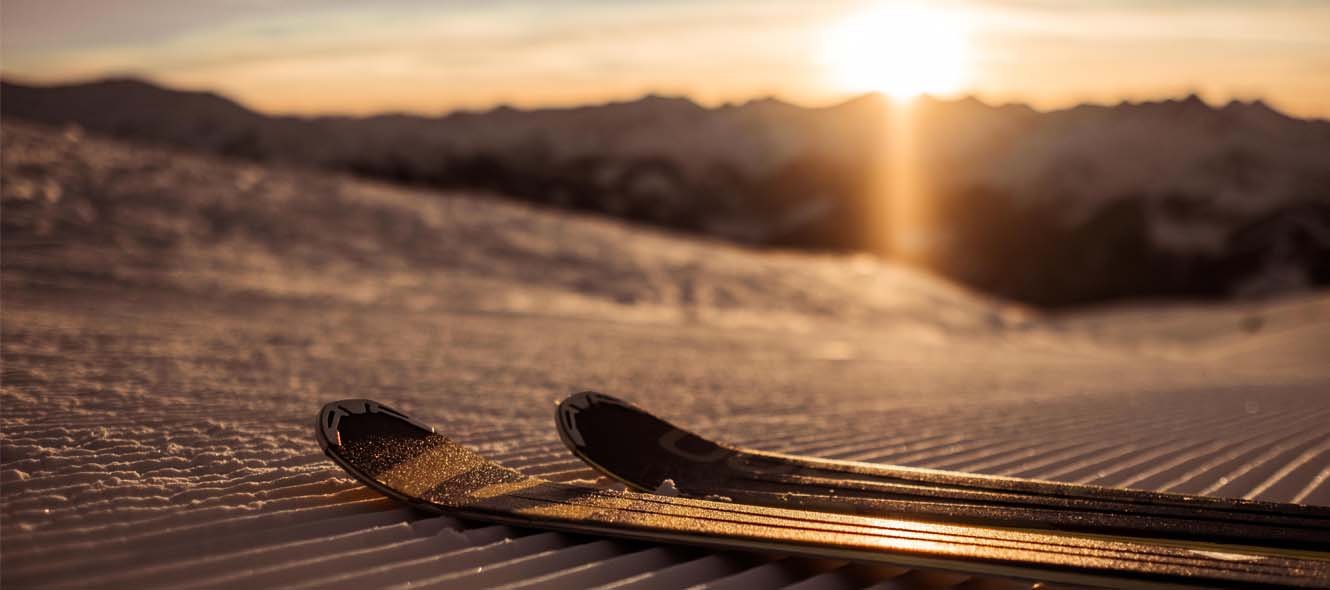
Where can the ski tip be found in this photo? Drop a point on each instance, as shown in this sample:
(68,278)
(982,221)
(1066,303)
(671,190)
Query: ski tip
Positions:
(402,458)
(333,417)
(630,444)
(565,415)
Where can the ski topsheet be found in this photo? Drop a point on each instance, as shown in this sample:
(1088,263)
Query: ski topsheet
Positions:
(406,460)
(634,446)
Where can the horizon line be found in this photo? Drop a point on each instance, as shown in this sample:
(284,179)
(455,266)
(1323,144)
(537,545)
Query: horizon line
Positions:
(9,78)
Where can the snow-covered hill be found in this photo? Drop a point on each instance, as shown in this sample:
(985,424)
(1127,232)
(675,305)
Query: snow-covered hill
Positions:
(81,207)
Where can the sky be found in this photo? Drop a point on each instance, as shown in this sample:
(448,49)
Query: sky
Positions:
(425,56)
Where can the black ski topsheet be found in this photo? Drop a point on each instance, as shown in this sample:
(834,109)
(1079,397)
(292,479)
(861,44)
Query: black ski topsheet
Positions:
(406,460)
(643,451)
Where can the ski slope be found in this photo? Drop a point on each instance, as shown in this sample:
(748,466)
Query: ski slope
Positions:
(172,323)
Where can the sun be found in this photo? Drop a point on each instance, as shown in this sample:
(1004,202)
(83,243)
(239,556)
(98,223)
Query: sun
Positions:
(900,49)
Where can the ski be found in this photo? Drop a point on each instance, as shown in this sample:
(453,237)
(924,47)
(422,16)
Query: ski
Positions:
(406,460)
(643,451)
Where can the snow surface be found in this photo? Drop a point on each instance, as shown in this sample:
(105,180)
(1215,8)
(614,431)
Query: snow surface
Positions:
(667,488)
(171,324)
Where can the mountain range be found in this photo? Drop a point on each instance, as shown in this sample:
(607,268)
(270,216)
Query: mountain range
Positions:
(1166,198)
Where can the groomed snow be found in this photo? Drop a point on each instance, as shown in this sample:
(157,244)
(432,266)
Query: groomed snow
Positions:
(171,324)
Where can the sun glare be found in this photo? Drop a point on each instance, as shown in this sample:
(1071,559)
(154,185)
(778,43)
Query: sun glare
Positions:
(900,49)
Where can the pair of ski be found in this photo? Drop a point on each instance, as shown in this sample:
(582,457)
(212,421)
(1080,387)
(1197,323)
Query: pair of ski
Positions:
(758,501)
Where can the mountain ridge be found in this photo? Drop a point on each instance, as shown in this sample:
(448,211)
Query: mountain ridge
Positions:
(134,82)
(1157,189)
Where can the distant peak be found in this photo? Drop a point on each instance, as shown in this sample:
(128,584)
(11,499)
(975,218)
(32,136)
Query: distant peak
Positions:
(665,100)
(1256,105)
(1253,108)
(657,97)
(110,82)
(1194,100)
(869,100)
(971,99)
(125,80)
(968,101)
(767,101)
